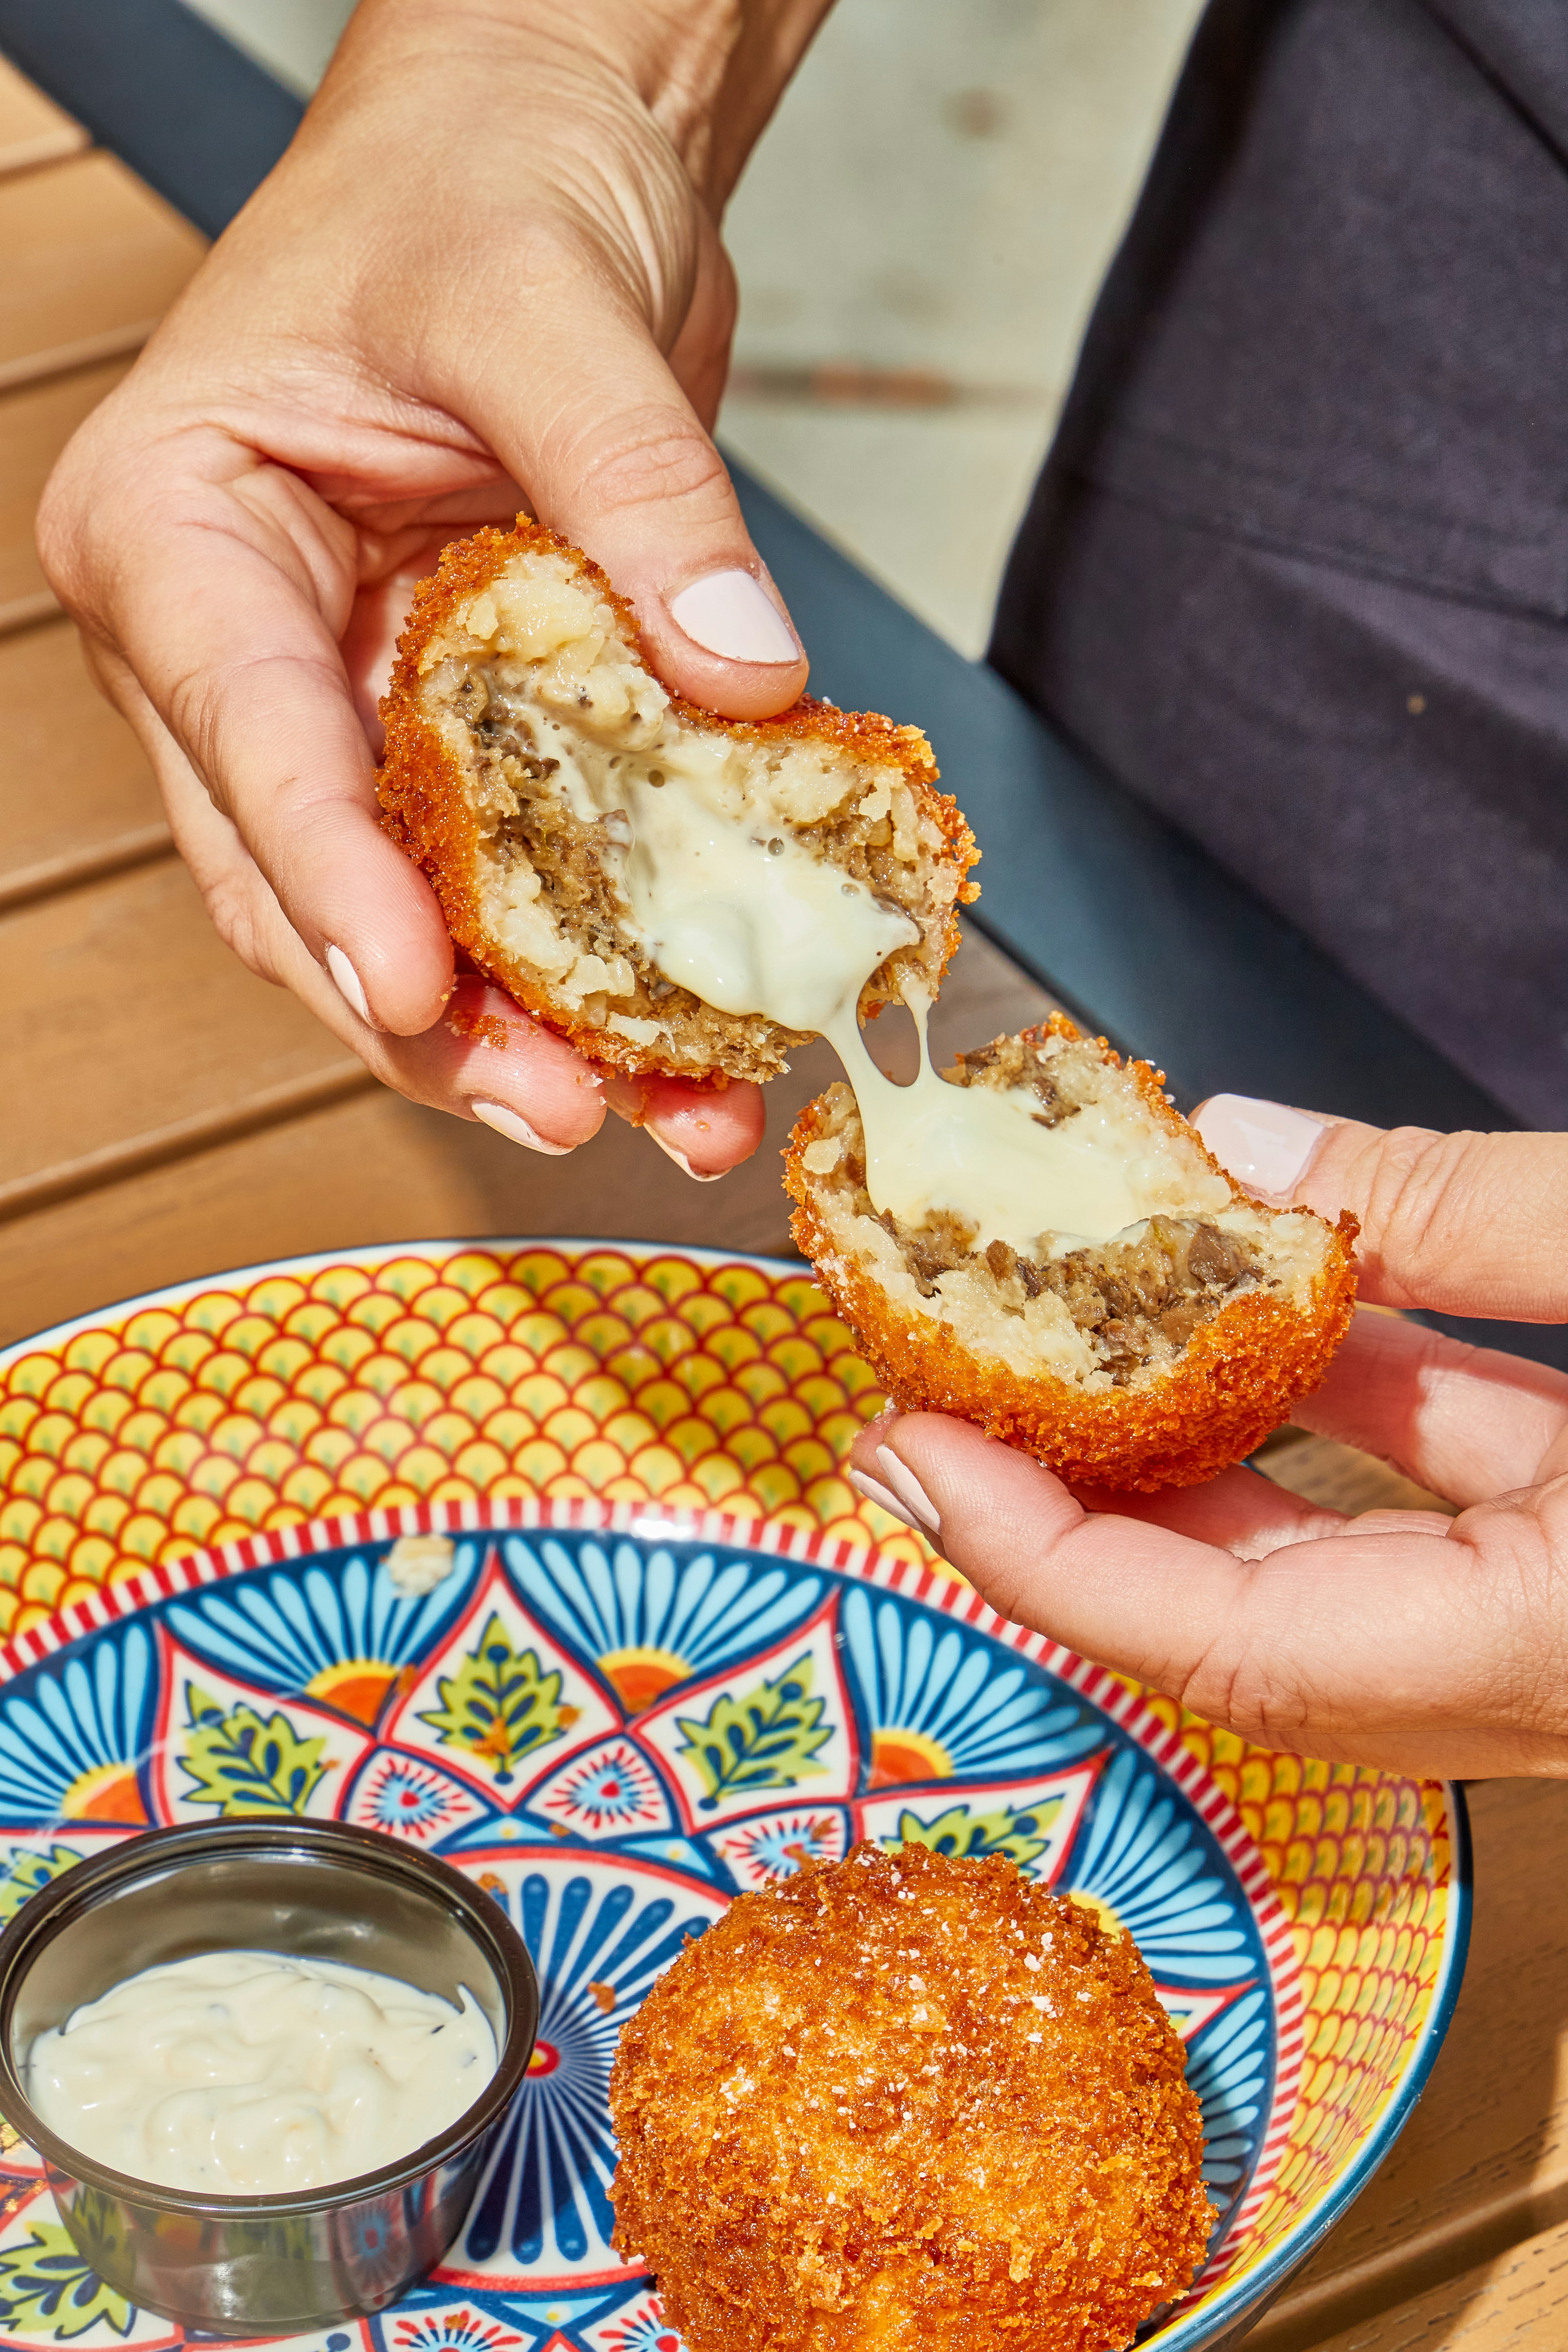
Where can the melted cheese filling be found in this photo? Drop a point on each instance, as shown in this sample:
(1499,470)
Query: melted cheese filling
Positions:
(727,902)
(986,1155)
(745,916)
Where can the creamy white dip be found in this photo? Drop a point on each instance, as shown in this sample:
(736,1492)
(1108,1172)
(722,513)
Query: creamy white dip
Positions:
(257,2074)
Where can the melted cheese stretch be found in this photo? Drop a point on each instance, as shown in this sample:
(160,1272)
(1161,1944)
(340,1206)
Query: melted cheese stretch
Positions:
(754,924)
(985,1154)
(732,903)
(251,2073)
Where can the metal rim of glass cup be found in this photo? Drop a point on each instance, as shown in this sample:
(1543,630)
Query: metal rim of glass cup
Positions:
(24,1941)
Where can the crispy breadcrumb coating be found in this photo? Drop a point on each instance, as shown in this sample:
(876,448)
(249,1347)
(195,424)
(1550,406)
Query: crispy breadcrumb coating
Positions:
(1154,1359)
(912,2103)
(519,703)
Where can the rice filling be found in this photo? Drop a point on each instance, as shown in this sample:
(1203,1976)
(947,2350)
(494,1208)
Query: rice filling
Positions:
(1106,1314)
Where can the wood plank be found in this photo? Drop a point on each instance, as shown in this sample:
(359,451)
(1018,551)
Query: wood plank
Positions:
(379,1168)
(1518,2302)
(374,1169)
(77,798)
(33,129)
(1483,2163)
(92,260)
(127,1017)
(35,426)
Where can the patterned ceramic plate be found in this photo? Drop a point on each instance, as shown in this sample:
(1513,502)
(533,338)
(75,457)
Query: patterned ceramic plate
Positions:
(670,1659)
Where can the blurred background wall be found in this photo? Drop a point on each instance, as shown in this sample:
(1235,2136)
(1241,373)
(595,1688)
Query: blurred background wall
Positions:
(918,240)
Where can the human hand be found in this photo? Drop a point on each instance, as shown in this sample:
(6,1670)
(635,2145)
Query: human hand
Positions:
(487,273)
(1399,1638)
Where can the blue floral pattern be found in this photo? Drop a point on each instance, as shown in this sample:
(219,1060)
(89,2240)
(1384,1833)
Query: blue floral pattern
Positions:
(936,1691)
(71,1742)
(297,1629)
(616,1735)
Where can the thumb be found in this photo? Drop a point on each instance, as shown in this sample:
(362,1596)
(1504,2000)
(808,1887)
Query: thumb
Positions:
(591,421)
(1449,1657)
(1471,1224)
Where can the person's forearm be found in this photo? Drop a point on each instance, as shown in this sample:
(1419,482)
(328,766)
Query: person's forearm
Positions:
(709,72)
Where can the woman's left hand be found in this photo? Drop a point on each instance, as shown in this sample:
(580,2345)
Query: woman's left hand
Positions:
(1401,1638)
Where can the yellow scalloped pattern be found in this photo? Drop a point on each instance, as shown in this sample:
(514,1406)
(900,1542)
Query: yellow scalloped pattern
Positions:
(426,1379)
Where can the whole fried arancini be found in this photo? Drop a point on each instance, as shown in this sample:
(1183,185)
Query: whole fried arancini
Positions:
(910,2103)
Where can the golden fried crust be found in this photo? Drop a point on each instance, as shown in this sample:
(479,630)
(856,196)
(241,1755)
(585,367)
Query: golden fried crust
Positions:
(1235,1380)
(912,2103)
(426,810)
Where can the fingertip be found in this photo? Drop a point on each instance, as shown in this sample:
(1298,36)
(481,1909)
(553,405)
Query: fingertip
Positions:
(732,614)
(977,1484)
(729,685)
(384,942)
(706,1130)
(1266,1146)
(490,1061)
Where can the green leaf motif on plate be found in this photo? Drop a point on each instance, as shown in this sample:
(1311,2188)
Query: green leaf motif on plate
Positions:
(243,1763)
(766,1740)
(500,1704)
(972,1836)
(45,2289)
(30,1870)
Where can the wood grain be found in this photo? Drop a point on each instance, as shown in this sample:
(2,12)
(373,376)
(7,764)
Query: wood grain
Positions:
(77,798)
(382,1170)
(92,259)
(374,1169)
(33,130)
(1340,1477)
(36,423)
(127,1014)
(1518,2302)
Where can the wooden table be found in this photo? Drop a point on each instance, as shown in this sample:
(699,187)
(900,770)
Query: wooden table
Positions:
(167,1115)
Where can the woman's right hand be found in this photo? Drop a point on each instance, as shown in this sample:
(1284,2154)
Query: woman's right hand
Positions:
(486,274)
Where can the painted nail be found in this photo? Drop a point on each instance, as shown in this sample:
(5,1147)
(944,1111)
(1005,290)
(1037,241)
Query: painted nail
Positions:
(875,1492)
(680,1159)
(907,1487)
(516,1128)
(1261,1143)
(731,614)
(348,980)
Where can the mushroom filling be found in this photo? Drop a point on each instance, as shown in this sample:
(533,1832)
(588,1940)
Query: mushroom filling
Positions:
(1135,1300)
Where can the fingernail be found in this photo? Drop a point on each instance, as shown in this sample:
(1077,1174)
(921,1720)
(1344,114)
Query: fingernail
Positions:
(875,1492)
(680,1159)
(731,614)
(1262,1144)
(516,1128)
(348,980)
(907,1487)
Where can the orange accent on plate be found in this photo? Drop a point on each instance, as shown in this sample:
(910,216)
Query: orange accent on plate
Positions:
(641,1676)
(358,1687)
(900,1757)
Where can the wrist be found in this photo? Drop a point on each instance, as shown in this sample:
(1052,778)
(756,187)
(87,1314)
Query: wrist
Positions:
(708,72)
